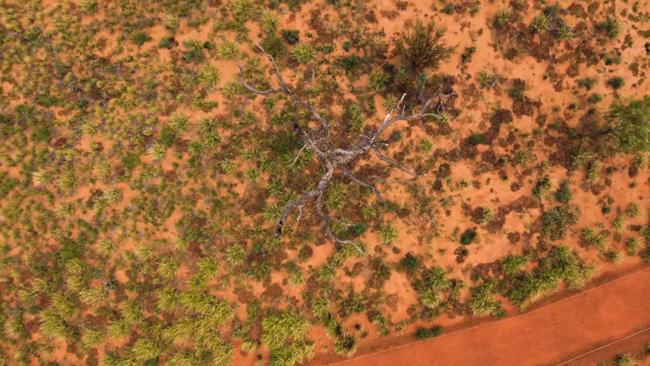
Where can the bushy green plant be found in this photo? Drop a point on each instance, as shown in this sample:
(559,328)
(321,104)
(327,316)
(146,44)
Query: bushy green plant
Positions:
(303,53)
(595,98)
(592,238)
(410,264)
(273,45)
(193,51)
(281,328)
(556,221)
(631,125)
(422,47)
(291,36)
(587,83)
(540,24)
(228,50)
(633,210)
(486,79)
(430,287)
(426,333)
(542,186)
(345,345)
(631,246)
(511,264)
(89,6)
(561,265)
(242,10)
(269,22)
(563,193)
(468,236)
(477,139)
(388,234)
(140,38)
(482,301)
(502,18)
(610,27)
(623,359)
(284,334)
(353,116)
(616,82)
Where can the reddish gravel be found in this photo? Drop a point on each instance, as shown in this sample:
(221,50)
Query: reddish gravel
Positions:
(549,335)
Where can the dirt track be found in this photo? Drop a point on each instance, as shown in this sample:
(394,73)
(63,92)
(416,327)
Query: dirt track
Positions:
(549,335)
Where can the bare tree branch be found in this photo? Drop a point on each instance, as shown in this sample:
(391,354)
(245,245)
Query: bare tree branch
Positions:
(339,160)
(370,186)
(251,88)
(394,163)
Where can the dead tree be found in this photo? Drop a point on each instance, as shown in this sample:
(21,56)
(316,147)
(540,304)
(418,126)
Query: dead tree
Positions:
(339,161)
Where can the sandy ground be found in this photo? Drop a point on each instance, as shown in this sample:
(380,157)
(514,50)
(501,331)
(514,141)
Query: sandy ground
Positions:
(552,333)
(633,345)
(548,335)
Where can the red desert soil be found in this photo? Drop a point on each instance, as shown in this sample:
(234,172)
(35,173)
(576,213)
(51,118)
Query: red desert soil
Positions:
(633,345)
(549,335)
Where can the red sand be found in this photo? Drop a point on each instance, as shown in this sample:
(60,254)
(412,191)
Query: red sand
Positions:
(549,335)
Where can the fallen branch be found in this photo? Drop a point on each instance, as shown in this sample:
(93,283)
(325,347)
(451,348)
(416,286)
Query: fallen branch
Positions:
(338,161)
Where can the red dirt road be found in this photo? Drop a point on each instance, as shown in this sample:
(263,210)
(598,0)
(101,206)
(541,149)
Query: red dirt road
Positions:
(546,336)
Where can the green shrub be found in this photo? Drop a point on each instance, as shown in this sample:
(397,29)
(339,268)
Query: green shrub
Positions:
(633,210)
(595,98)
(422,47)
(273,45)
(587,83)
(467,54)
(269,22)
(631,125)
(623,359)
(512,263)
(616,82)
(430,286)
(468,236)
(410,264)
(426,333)
(482,301)
(291,354)
(591,238)
(561,265)
(540,24)
(291,36)
(516,91)
(193,51)
(609,27)
(502,18)
(242,10)
(477,139)
(353,116)
(281,328)
(303,53)
(563,194)
(88,6)
(388,234)
(167,42)
(379,80)
(556,221)
(345,345)
(542,186)
(631,246)
(228,50)
(140,38)
(486,79)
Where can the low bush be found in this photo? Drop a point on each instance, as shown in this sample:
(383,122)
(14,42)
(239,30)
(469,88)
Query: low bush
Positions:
(426,333)
(563,194)
(468,236)
(556,221)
